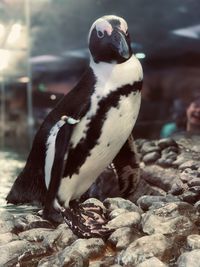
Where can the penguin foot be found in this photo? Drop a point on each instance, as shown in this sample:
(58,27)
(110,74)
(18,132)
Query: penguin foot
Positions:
(51,215)
(87,220)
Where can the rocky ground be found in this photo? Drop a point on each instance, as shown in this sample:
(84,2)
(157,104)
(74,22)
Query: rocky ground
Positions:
(159,227)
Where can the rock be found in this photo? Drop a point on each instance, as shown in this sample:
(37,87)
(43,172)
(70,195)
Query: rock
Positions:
(88,248)
(191,164)
(7,237)
(195,189)
(178,188)
(132,219)
(49,238)
(197,206)
(187,175)
(189,259)
(6,222)
(20,251)
(95,264)
(144,188)
(169,149)
(194,182)
(151,157)
(167,142)
(167,220)
(29,221)
(144,248)
(123,236)
(152,262)
(179,160)
(165,162)
(66,237)
(157,232)
(95,202)
(169,155)
(107,262)
(145,202)
(190,197)
(71,258)
(116,213)
(149,147)
(77,254)
(35,235)
(118,202)
(193,241)
(162,178)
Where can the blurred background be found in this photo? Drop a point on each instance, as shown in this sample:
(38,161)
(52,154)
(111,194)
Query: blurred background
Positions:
(43,53)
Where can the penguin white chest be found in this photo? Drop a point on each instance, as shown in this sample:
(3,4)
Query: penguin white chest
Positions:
(116,128)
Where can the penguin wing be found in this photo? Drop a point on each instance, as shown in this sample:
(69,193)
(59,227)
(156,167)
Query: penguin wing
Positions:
(126,165)
(61,147)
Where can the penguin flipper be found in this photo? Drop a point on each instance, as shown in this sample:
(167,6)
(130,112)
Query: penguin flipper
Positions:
(126,165)
(51,211)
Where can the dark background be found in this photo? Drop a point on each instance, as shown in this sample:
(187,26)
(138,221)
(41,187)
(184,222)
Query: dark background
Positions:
(58,54)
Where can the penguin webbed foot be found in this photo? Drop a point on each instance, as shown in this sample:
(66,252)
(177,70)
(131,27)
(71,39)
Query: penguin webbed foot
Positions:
(51,215)
(87,220)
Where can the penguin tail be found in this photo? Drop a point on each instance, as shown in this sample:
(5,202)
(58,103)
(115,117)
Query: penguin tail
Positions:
(28,188)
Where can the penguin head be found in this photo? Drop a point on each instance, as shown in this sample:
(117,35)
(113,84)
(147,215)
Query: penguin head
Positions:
(109,40)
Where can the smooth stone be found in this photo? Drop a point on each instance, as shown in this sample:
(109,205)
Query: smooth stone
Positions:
(165,220)
(70,258)
(145,202)
(189,259)
(96,202)
(35,235)
(191,164)
(194,182)
(29,221)
(193,241)
(20,251)
(160,177)
(6,222)
(167,142)
(132,219)
(187,175)
(197,206)
(152,262)
(189,197)
(6,226)
(118,202)
(165,162)
(144,248)
(177,188)
(151,157)
(7,237)
(116,213)
(149,147)
(195,189)
(66,237)
(123,236)
(169,149)
(88,248)
(77,254)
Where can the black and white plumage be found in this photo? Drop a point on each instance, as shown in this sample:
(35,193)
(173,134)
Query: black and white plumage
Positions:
(88,130)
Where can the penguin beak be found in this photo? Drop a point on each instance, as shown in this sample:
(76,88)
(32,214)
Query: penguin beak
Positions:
(120,44)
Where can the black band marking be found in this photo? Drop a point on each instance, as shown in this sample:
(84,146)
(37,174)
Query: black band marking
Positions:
(77,156)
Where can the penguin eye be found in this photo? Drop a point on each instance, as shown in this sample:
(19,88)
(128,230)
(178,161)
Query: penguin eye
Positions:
(127,33)
(100,34)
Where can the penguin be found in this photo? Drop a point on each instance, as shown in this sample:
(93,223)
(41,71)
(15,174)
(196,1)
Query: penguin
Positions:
(89,129)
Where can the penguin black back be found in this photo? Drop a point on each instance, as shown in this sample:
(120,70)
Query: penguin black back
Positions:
(29,187)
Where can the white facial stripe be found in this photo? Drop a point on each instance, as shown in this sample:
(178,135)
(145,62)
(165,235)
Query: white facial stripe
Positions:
(104,26)
(123,25)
